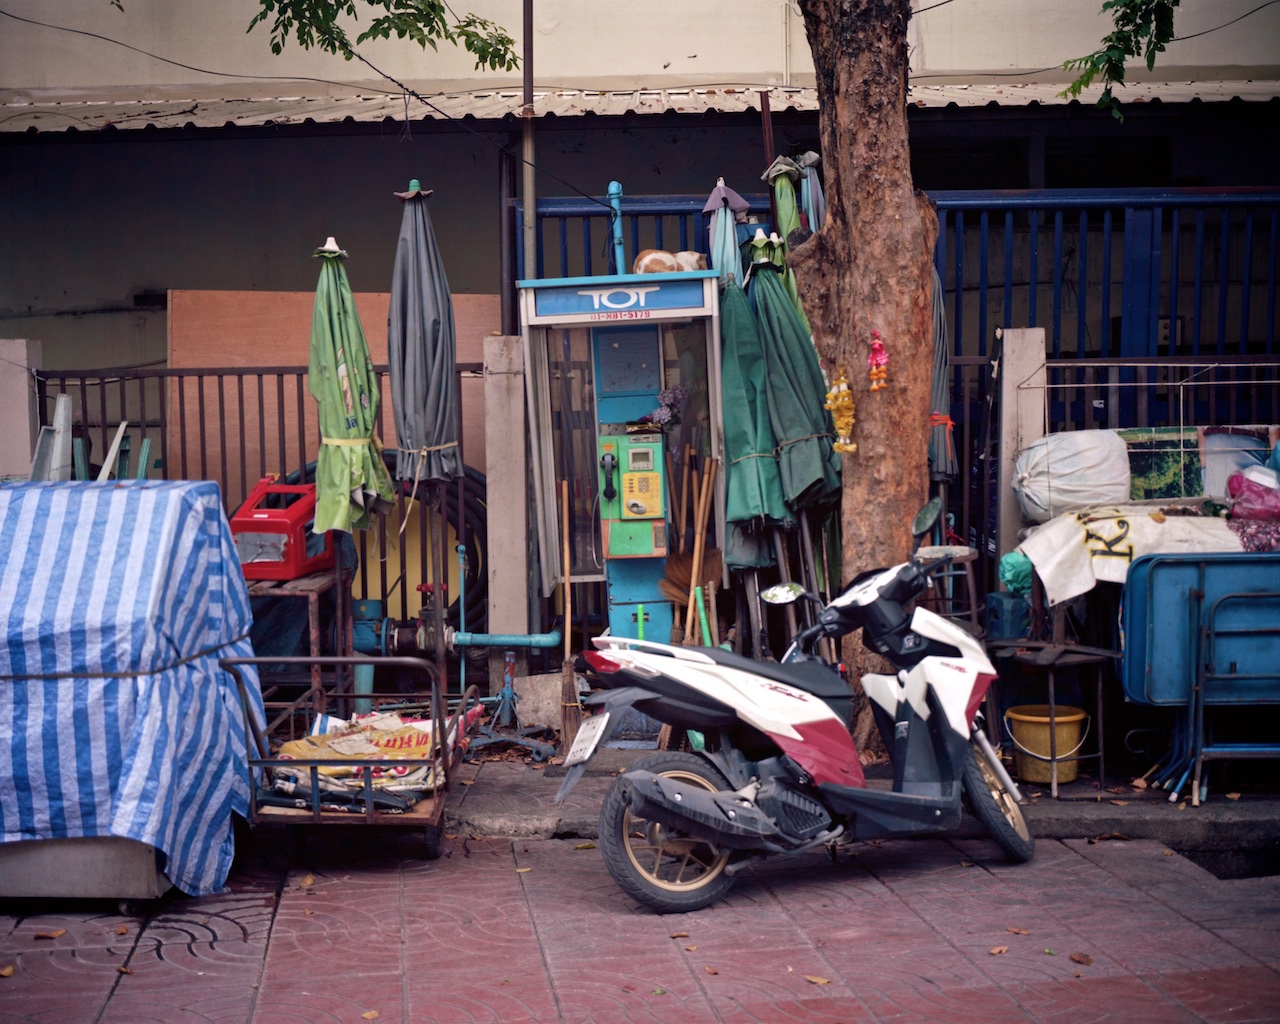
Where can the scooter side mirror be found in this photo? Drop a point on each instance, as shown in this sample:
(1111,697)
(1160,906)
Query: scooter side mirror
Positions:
(926,519)
(782,593)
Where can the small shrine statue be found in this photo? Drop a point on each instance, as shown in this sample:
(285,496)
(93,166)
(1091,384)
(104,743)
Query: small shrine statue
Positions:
(840,405)
(878,363)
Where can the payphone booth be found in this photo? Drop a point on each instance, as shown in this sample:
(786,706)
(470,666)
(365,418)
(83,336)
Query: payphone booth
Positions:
(622,375)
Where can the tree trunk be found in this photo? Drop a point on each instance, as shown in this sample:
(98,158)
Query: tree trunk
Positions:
(868,269)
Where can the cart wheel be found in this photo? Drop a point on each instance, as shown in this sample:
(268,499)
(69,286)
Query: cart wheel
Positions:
(431,836)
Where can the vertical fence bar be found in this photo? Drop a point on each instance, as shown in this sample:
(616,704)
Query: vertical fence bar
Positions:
(1104,301)
(587,249)
(1082,285)
(1033,268)
(1270,332)
(562,237)
(1224,280)
(300,392)
(1175,270)
(1007,319)
(1056,320)
(222,431)
(182,425)
(1197,306)
(204,441)
(958,278)
(244,441)
(984,225)
(1246,281)
(284,447)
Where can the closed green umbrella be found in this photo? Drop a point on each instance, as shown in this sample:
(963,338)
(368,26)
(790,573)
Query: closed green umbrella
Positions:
(754,489)
(796,392)
(351,481)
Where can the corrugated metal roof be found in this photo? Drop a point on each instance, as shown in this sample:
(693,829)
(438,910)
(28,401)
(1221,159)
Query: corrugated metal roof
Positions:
(20,113)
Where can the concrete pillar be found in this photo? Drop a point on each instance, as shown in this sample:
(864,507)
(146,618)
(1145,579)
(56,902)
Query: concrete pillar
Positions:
(18,421)
(506,469)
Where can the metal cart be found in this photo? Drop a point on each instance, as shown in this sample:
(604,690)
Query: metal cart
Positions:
(449,721)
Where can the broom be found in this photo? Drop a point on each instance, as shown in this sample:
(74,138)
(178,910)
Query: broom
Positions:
(699,541)
(571,710)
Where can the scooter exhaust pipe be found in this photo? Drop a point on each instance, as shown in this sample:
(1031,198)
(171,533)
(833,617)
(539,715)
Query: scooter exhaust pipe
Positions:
(725,819)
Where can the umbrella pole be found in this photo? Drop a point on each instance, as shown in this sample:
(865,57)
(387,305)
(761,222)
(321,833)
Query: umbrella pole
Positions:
(571,710)
(752,581)
(439,576)
(810,567)
(784,574)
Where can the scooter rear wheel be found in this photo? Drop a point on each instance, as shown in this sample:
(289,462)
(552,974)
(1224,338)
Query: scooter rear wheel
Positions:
(993,805)
(663,868)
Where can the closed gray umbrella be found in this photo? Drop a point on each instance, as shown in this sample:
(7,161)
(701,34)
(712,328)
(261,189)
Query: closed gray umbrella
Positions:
(422,349)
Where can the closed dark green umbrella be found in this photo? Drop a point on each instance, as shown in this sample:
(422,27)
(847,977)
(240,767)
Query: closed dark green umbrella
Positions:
(796,392)
(754,489)
(351,481)
(422,349)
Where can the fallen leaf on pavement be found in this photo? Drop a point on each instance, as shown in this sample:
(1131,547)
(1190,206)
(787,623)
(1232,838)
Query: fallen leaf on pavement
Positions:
(1018,931)
(306,881)
(1182,806)
(370,1015)
(1139,783)
(1084,959)
(1077,974)
(523,871)
(123,970)
(1233,796)
(1167,853)
(966,863)
(1119,803)
(679,935)
(817,979)
(659,992)
(997,950)
(122,930)
(690,949)
(584,846)
(711,970)
(57,933)
(1049,952)
(6,971)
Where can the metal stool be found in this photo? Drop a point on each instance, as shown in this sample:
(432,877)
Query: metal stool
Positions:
(946,598)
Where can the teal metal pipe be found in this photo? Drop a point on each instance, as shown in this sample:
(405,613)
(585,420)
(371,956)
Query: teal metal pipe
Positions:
(619,250)
(552,639)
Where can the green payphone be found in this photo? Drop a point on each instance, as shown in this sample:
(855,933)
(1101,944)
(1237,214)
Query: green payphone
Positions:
(632,493)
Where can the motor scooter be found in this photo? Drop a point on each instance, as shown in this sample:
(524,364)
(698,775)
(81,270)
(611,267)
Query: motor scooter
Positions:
(773,769)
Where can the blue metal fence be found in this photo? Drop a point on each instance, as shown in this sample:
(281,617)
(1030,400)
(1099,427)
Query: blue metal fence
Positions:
(1127,274)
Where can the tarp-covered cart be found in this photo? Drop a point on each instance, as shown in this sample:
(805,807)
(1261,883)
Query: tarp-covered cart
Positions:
(121,739)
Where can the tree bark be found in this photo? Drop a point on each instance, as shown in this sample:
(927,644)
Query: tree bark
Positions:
(868,269)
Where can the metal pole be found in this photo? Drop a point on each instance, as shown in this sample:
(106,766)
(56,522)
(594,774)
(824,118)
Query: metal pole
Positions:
(530,190)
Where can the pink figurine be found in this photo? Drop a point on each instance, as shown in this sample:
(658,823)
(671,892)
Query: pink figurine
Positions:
(878,363)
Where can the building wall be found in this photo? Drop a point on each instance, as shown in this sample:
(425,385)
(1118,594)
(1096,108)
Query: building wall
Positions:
(582,44)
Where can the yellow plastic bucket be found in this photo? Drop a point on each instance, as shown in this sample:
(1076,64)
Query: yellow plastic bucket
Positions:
(1028,724)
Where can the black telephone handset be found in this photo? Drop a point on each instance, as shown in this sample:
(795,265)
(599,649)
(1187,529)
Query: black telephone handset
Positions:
(609,463)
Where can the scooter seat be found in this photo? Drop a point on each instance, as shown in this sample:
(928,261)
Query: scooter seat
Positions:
(815,677)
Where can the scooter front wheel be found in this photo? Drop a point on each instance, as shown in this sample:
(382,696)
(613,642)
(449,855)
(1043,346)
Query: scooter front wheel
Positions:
(993,805)
(664,868)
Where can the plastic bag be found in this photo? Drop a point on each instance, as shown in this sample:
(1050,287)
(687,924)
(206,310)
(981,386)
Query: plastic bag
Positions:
(1072,470)
(1015,572)
(1252,499)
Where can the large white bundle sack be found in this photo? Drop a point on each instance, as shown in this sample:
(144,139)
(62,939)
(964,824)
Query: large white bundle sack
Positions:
(1069,471)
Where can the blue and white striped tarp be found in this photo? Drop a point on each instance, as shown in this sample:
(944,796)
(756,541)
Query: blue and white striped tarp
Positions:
(116,602)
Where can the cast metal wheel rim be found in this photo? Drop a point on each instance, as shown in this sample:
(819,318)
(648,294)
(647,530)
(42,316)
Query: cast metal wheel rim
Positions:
(1011,811)
(671,862)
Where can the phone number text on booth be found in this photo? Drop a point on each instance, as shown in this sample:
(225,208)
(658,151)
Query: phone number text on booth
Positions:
(623,314)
